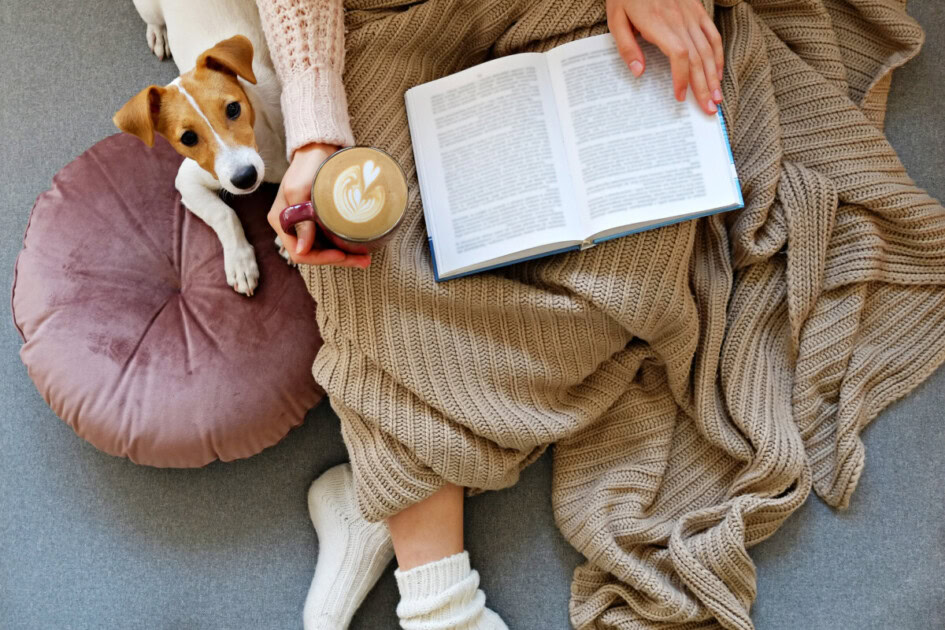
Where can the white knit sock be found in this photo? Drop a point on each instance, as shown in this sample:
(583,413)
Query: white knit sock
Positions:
(352,552)
(444,595)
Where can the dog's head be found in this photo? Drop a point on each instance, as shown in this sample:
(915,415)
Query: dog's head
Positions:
(206,115)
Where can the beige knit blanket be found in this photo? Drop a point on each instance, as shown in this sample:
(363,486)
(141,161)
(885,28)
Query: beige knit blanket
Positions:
(695,380)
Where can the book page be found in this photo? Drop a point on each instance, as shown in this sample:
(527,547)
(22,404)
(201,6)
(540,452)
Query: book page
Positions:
(638,155)
(491,162)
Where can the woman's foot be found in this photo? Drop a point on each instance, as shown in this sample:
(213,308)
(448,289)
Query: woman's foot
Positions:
(352,552)
(444,595)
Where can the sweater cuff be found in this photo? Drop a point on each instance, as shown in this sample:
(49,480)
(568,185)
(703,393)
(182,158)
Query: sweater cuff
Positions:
(315,109)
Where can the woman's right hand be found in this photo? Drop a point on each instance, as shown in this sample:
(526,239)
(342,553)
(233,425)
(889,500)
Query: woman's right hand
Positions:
(684,32)
(296,188)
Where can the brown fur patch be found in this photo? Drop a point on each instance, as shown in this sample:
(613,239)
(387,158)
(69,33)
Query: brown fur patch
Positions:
(213,91)
(213,85)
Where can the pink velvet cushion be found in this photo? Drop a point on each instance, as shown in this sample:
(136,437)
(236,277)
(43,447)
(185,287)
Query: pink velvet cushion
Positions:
(132,335)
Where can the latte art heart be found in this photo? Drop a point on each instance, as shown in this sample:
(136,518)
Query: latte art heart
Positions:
(355,198)
(370,172)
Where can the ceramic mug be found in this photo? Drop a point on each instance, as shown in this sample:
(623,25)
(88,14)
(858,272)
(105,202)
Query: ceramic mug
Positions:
(359,197)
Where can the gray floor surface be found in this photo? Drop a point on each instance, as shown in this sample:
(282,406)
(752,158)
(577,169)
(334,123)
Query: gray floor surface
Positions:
(92,541)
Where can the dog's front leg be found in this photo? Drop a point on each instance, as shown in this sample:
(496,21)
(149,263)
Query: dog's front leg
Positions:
(198,191)
(152,14)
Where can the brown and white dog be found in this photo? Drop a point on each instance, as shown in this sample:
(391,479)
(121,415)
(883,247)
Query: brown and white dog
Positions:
(222,113)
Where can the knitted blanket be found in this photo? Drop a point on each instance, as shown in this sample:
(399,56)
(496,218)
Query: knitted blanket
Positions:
(697,380)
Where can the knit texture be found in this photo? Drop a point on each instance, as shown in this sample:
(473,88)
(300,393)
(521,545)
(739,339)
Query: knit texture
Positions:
(352,552)
(306,43)
(444,595)
(696,380)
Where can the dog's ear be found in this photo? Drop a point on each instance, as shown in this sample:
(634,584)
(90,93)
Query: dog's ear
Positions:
(139,115)
(234,55)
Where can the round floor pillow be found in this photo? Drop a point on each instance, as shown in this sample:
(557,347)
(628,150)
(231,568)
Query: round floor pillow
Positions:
(130,331)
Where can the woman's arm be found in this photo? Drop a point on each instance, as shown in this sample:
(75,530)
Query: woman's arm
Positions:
(306,43)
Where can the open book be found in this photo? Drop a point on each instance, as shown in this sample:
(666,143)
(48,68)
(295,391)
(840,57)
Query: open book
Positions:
(538,153)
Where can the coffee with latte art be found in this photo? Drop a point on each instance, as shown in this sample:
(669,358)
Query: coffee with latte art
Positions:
(359,194)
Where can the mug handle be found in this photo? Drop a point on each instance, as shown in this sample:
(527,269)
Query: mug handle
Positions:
(296,214)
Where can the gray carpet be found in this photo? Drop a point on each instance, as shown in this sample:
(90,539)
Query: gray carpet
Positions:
(91,541)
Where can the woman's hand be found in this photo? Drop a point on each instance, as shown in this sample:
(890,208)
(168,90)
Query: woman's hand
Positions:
(296,187)
(684,32)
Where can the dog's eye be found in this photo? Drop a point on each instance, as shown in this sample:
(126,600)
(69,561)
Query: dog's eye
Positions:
(233,111)
(188,138)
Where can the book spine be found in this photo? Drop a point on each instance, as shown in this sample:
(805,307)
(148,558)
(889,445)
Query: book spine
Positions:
(653,226)
(417,161)
(570,248)
(731,157)
(436,272)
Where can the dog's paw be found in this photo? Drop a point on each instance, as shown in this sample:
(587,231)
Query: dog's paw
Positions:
(284,252)
(157,41)
(242,273)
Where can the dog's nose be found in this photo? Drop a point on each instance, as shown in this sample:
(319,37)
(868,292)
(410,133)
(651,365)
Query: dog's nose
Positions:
(244,178)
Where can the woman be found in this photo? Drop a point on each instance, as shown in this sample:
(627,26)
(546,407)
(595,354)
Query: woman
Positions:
(438,588)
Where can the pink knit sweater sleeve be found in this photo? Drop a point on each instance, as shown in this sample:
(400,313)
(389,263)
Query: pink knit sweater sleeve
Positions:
(306,43)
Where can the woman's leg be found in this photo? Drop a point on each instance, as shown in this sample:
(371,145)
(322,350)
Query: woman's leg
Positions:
(352,553)
(429,530)
(438,588)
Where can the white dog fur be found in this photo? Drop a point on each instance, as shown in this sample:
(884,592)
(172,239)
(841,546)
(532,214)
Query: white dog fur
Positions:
(184,29)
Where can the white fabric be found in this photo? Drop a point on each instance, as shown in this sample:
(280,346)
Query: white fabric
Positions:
(352,552)
(444,595)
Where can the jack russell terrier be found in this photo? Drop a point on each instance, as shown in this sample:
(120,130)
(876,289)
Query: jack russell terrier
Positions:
(222,114)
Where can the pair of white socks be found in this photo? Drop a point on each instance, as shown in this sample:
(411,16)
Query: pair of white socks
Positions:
(352,555)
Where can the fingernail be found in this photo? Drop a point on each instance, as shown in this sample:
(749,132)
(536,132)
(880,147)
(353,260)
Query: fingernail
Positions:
(636,68)
(717,95)
(298,247)
(712,107)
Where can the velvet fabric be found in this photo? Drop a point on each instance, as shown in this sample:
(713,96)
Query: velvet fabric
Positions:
(130,331)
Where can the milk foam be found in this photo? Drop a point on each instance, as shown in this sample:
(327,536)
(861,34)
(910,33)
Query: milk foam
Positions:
(355,196)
